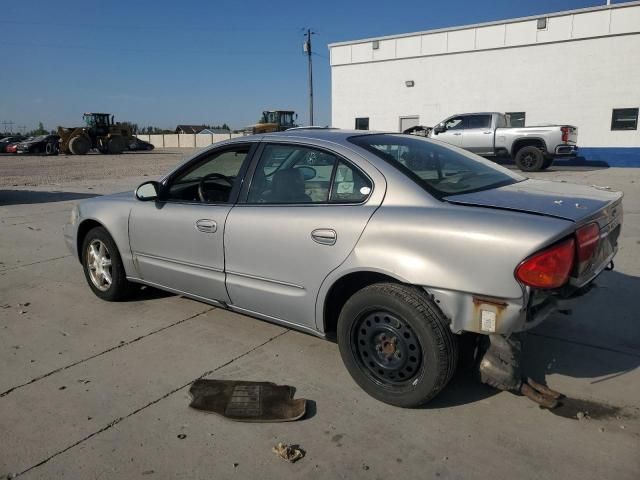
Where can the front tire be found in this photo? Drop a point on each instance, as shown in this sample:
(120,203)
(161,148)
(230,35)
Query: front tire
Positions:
(396,344)
(79,145)
(103,266)
(116,145)
(530,159)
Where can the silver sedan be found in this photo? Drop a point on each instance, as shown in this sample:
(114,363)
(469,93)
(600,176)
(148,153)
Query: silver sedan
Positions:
(392,244)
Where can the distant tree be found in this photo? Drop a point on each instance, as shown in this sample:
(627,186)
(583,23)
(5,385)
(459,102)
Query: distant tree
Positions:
(225,127)
(38,131)
(132,126)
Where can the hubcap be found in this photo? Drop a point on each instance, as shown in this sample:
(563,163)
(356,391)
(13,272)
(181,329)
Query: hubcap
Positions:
(99,265)
(387,348)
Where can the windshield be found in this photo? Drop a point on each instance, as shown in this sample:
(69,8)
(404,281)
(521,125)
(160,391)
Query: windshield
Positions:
(439,169)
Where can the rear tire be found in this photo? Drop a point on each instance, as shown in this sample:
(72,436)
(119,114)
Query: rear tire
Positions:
(103,266)
(79,145)
(530,159)
(116,145)
(396,344)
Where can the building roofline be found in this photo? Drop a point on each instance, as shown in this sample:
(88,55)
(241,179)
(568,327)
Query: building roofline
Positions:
(488,24)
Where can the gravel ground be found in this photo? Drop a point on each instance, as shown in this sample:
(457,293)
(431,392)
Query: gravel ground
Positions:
(32,170)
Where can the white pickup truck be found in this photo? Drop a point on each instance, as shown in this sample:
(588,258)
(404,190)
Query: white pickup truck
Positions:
(490,134)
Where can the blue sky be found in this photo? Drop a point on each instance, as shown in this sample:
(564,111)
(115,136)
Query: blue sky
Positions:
(165,62)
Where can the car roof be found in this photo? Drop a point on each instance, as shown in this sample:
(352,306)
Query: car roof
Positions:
(329,134)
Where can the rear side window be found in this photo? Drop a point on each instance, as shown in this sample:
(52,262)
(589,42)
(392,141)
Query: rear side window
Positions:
(296,174)
(349,185)
(478,121)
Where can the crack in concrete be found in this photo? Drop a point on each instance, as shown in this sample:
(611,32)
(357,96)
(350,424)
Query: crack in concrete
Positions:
(120,345)
(16,267)
(116,421)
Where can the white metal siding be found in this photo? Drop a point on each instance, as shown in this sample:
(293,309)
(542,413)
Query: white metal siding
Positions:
(575,71)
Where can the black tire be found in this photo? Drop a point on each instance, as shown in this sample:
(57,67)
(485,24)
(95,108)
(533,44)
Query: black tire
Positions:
(120,288)
(51,148)
(547,163)
(79,145)
(116,145)
(424,352)
(530,159)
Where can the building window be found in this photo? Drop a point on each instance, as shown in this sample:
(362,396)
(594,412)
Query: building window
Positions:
(542,23)
(375,44)
(516,119)
(624,119)
(362,123)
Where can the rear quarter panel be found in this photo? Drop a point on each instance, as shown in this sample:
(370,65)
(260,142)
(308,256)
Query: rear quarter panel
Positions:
(459,248)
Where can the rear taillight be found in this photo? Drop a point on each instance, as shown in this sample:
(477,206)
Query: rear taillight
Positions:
(587,238)
(565,134)
(549,268)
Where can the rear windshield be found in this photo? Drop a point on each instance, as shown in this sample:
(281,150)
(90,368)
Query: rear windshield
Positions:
(440,169)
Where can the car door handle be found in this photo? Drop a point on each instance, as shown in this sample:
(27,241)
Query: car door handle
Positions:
(457,133)
(206,226)
(324,236)
(488,133)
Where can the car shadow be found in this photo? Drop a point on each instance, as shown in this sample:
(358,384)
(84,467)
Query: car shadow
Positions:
(149,293)
(599,340)
(24,197)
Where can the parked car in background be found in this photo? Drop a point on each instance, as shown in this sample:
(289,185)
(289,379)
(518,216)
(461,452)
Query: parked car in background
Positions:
(391,243)
(490,135)
(43,144)
(136,144)
(6,141)
(11,148)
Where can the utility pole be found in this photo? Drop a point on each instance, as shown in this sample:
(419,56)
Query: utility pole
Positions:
(307,50)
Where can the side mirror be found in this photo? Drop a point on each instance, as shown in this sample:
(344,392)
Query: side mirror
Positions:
(148,191)
(439,129)
(308,173)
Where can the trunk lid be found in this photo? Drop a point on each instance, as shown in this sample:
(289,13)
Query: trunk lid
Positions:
(577,203)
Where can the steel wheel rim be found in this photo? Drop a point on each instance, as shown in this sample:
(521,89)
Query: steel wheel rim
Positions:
(387,348)
(528,160)
(99,265)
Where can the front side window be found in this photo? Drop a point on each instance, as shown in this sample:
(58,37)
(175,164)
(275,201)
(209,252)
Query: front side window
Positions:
(300,174)
(442,170)
(456,123)
(624,119)
(210,180)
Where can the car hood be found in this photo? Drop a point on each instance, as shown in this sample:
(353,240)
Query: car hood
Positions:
(555,199)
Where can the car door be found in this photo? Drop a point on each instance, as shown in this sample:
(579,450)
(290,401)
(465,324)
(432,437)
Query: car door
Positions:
(305,209)
(478,135)
(177,241)
(454,127)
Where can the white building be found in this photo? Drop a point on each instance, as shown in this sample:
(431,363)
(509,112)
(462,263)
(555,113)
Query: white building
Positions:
(580,67)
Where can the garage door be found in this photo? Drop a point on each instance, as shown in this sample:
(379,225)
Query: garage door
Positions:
(408,122)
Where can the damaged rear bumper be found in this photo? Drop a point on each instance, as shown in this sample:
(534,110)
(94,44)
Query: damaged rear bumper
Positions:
(486,315)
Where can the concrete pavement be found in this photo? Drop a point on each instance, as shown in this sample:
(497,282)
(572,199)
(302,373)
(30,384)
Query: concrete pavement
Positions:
(91,389)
